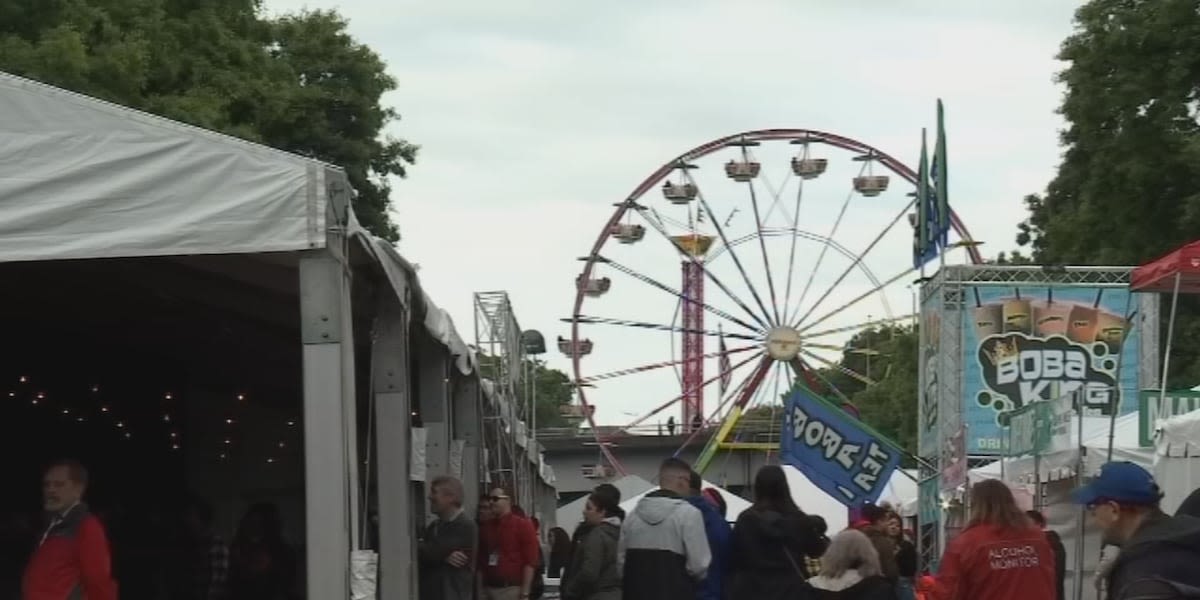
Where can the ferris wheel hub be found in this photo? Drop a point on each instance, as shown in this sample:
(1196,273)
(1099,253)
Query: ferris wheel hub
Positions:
(783,343)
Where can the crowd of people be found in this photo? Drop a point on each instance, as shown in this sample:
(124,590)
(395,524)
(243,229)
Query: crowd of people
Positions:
(676,544)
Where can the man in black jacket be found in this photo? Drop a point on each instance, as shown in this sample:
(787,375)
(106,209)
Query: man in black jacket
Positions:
(447,549)
(1056,546)
(1155,547)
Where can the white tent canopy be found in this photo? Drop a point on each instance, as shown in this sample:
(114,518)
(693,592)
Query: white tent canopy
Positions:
(1177,458)
(1061,465)
(570,514)
(97,180)
(734,504)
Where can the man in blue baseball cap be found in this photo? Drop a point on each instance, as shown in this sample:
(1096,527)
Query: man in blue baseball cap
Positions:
(1155,548)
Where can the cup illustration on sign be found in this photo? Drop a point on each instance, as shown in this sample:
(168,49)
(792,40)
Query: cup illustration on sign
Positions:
(1082,323)
(1018,315)
(989,320)
(1052,317)
(1111,330)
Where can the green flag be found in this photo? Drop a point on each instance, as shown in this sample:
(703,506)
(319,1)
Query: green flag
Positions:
(940,177)
(923,219)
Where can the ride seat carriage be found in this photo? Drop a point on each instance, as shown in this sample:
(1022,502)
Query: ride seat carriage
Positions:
(574,349)
(679,193)
(871,185)
(742,170)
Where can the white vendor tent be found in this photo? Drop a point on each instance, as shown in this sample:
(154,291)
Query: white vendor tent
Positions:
(734,504)
(1061,465)
(137,240)
(1177,458)
(570,514)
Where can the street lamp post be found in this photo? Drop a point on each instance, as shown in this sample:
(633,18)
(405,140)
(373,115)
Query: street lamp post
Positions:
(534,345)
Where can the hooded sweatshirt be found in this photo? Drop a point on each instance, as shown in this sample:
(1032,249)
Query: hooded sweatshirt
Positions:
(719,534)
(663,551)
(1163,547)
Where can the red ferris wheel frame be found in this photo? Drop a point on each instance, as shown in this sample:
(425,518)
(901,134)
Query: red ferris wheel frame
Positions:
(902,170)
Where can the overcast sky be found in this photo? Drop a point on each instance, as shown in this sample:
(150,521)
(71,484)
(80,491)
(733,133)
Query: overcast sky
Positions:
(535,116)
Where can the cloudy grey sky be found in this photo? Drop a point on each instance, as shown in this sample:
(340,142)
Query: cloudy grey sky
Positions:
(535,116)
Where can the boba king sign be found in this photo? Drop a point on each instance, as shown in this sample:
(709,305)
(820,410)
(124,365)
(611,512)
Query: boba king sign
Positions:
(1027,345)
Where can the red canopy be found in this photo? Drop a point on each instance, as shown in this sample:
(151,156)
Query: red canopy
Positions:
(1159,275)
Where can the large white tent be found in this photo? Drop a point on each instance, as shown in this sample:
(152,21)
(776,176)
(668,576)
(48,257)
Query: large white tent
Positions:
(1060,465)
(1177,458)
(245,265)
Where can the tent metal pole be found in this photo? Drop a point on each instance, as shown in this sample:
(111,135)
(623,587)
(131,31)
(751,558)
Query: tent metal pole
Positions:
(1079,533)
(1162,386)
(1114,405)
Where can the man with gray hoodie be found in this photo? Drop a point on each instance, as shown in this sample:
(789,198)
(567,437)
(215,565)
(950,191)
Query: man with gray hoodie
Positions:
(663,551)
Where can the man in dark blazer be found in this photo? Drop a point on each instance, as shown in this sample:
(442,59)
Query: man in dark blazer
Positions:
(447,549)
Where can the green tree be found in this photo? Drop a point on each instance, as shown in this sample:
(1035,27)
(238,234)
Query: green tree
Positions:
(299,82)
(1128,187)
(552,388)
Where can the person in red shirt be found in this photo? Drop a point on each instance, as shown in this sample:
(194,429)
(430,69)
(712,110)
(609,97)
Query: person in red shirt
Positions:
(72,558)
(508,551)
(1001,554)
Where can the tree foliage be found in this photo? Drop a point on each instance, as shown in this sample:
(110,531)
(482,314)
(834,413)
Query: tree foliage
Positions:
(551,388)
(1128,187)
(298,82)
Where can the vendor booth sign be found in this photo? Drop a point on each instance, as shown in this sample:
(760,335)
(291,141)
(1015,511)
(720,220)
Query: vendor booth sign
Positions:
(1027,345)
(837,452)
(1151,411)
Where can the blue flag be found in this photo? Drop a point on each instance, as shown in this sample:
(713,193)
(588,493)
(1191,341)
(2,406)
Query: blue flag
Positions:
(835,451)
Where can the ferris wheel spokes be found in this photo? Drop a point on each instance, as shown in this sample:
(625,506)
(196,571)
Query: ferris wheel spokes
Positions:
(590,320)
(878,287)
(659,365)
(859,326)
(787,296)
(732,253)
(758,225)
(687,392)
(678,294)
(840,368)
(641,210)
(857,260)
(824,249)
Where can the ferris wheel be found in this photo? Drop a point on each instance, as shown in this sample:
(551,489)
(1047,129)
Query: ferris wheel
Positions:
(731,272)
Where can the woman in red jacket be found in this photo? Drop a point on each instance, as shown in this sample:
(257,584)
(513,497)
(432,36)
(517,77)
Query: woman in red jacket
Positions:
(1001,555)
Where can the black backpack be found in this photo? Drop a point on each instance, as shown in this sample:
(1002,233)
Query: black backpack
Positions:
(1158,588)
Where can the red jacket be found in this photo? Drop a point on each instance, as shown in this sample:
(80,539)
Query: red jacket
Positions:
(507,545)
(987,563)
(72,561)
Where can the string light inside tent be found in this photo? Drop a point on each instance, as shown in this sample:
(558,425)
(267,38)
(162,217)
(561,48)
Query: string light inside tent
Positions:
(79,413)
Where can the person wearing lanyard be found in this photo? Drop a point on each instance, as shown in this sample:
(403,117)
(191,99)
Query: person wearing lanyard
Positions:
(508,551)
(72,558)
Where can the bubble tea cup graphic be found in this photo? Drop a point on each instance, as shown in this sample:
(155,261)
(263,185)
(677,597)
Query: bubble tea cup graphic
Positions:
(1051,318)
(1083,323)
(1018,315)
(989,320)
(1111,330)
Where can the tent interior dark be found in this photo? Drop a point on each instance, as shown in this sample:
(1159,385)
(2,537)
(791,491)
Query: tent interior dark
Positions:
(168,378)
